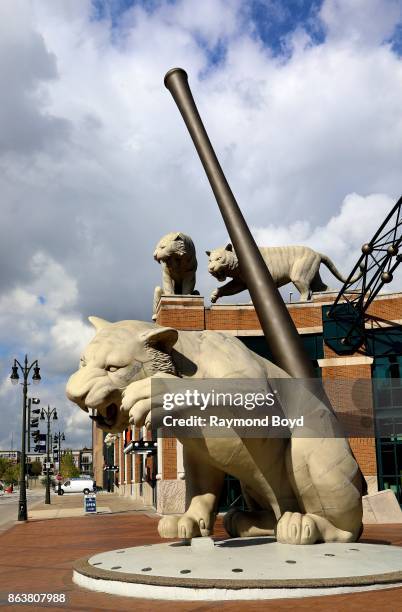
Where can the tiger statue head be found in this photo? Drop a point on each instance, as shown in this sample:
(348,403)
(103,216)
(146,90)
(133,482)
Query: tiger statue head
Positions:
(175,246)
(222,262)
(120,354)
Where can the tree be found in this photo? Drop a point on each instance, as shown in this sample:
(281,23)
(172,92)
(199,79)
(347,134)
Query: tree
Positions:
(9,471)
(4,465)
(68,468)
(35,468)
(12,473)
(43,481)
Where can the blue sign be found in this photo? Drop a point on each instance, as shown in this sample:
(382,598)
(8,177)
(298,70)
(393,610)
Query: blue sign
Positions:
(90,503)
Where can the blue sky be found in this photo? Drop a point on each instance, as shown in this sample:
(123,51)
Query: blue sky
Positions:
(275,20)
(396,39)
(272,21)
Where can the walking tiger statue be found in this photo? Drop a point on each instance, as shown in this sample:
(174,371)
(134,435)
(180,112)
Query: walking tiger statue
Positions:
(305,490)
(299,265)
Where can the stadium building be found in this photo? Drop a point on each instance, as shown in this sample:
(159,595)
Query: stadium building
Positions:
(142,466)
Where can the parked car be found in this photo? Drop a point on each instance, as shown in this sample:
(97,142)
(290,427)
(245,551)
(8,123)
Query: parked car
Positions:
(77,485)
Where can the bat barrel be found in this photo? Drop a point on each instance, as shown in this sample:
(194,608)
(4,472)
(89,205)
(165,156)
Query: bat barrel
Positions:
(279,330)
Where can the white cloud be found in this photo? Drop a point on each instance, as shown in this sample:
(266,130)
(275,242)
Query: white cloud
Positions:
(365,22)
(26,123)
(40,319)
(40,304)
(341,238)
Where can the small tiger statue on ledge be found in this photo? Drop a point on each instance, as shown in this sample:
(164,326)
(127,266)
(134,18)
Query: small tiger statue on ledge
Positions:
(299,265)
(176,253)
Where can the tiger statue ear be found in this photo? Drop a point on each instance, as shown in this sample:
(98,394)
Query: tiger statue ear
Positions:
(98,323)
(208,253)
(228,247)
(163,337)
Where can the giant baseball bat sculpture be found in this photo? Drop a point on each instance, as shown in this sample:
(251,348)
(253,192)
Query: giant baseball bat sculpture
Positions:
(279,330)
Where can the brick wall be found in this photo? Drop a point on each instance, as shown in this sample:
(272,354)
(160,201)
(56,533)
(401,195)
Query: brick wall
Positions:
(116,455)
(186,313)
(138,461)
(231,318)
(169,459)
(306,317)
(97,457)
(387,309)
(365,453)
(121,462)
(137,458)
(244,317)
(129,460)
(351,398)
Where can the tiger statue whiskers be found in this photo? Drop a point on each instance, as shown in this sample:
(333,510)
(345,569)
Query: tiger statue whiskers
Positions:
(296,264)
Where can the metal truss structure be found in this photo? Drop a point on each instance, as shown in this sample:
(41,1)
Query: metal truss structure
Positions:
(375,268)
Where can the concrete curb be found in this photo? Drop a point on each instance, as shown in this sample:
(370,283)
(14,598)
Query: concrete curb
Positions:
(83,567)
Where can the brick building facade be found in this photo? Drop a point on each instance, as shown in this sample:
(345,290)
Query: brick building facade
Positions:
(153,469)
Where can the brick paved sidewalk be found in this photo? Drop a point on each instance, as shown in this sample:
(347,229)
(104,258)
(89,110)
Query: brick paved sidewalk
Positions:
(36,557)
(70,505)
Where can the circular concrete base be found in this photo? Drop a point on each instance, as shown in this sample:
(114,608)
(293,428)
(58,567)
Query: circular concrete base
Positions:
(241,568)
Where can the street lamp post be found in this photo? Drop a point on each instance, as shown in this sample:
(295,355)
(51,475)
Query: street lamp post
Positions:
(58,439)
(25,370)
(47,414)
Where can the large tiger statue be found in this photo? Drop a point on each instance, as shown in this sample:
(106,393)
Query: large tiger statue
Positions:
(306,490)
(176,253)
(299,265)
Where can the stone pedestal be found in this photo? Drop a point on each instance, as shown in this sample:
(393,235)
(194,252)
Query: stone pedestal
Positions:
(381,507)
(240,569)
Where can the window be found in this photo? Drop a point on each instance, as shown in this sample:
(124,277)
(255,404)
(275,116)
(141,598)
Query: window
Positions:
(387,393)
(313,344)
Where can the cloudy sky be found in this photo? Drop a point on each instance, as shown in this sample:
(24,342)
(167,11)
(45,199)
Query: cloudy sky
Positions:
(302,101)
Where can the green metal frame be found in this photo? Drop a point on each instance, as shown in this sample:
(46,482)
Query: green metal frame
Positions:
(375,268)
